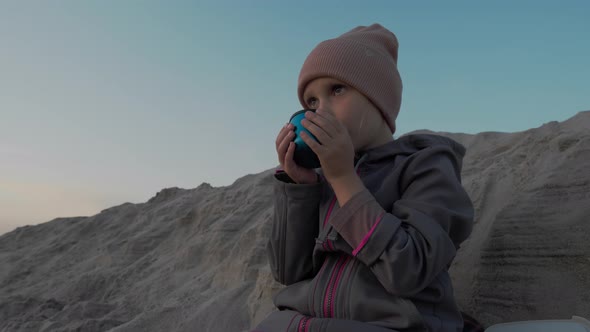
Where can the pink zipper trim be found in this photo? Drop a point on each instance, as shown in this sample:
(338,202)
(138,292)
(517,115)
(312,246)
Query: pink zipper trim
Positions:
(330,245)
(301,324)
(326,296)
(337,284)
(367,236)
(329,211)
(304,324)
(315,287)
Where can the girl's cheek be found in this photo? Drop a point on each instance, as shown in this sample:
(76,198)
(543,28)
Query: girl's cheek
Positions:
(363,122)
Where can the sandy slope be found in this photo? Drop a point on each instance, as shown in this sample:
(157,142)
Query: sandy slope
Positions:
(194,260)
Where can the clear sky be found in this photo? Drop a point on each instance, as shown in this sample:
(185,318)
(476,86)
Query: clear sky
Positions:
(106,102)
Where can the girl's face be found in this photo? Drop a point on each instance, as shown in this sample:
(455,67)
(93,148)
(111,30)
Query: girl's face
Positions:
(364,122)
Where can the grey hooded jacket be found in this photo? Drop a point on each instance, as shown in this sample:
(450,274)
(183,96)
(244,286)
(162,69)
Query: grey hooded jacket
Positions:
(380,262)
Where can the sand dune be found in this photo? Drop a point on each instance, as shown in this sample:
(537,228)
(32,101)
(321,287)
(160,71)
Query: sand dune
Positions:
(194,260)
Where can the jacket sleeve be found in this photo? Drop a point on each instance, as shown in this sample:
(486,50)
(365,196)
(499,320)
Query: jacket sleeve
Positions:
(294,229)
(407,248)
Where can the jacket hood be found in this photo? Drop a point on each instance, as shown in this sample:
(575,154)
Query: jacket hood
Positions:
(409,144)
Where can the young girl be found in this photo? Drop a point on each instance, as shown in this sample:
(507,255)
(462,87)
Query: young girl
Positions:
(365,242)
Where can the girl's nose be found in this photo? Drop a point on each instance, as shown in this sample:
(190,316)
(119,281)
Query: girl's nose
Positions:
(325,109)
(323,105)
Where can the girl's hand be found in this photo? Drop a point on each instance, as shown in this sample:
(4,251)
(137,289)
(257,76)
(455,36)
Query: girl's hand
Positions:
(336,152)
(285,150)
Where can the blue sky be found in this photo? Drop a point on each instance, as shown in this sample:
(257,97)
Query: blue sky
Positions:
(105,102)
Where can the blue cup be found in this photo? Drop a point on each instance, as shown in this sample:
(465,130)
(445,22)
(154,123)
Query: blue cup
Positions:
(304,155)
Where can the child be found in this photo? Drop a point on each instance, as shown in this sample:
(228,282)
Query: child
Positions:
(365,242)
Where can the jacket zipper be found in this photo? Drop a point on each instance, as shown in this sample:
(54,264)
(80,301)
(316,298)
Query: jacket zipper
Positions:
(328,292)
(333,284)
(347,277)
(303,324)
(336,273)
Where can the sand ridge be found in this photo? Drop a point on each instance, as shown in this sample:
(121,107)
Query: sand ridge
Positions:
(194,259)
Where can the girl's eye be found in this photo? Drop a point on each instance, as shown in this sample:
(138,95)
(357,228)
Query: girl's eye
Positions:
(311,102)
(338,89)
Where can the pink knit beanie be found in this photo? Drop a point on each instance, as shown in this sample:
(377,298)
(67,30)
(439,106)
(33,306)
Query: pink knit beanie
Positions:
(364,58)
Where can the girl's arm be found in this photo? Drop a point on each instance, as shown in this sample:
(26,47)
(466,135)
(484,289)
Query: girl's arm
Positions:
(294,229)
(407,248)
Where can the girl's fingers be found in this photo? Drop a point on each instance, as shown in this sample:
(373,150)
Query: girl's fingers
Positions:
(296,172)
(316,147)
(323,121)
(317,131)
(284,145)
(289,157)
(281,135)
